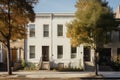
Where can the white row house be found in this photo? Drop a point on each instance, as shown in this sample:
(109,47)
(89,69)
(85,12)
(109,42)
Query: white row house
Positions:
(47,41)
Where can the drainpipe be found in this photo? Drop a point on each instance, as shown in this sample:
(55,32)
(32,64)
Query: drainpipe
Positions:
(52,38)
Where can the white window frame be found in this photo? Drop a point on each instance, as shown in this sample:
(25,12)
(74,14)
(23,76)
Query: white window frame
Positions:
(31,53)
(60,30)
(46,30)
(31,26)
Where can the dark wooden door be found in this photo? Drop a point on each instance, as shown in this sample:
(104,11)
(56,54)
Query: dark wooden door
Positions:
(45,53)
(105,55)
(87,53)
(14,55)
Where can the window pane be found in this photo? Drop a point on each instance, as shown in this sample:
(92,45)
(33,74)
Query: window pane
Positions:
(60,30)
(32,51)
(118,53)
(73,52)
(32,30)
(60,51)
(119,35)
(73,49)
(46,30)
(108,36)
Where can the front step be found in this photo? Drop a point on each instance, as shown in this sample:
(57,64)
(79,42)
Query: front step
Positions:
(89,66)
(45,65)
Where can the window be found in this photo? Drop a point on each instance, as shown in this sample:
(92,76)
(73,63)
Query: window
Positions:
(118,53)
(45,30)
(119,35)
(60,51)
(32,30)
(108,36)
(0,47)
(73,52)
(32,52)
(59,30)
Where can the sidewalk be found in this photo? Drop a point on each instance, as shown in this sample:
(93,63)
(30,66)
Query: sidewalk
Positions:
(47,74)
(54,74)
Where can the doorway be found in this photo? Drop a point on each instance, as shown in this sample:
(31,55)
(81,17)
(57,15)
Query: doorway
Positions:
(14,55)
(45,53)
(86,53)
(105,55)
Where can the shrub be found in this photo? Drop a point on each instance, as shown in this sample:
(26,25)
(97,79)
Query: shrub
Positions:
(23,63)
(116,64)
(28,65)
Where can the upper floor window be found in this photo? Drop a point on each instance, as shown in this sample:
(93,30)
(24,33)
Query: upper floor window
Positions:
(59,30)
(32,30)
(46,30)
(59,51)
(108,36)
(32,52)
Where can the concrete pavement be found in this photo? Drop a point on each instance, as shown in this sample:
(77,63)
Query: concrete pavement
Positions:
(55,74)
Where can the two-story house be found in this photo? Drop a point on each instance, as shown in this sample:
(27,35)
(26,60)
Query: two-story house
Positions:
(47,41)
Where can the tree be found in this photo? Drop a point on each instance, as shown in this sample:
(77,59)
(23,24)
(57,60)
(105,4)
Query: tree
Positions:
(14,15)
(93,21)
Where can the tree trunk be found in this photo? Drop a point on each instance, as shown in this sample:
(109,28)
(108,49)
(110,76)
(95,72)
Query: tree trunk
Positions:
(96,63)
(9,58)
(8,41)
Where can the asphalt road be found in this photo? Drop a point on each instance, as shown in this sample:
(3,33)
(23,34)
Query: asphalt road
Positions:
(59,79)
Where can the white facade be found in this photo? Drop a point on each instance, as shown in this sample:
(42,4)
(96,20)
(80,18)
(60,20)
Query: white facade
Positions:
(117,12)
(53,40)
(3,53)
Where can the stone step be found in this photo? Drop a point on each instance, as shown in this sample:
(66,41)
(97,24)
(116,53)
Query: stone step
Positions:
(45,65)
(89,66)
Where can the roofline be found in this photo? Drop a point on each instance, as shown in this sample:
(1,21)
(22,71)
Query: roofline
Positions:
(55,14)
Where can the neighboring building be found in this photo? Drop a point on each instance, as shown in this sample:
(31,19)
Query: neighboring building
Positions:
(3,53)
(17,53)
(117,12)
(112,49)
(17,50)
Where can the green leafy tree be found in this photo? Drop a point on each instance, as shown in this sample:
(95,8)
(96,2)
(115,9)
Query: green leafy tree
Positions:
(93,21)
(14,15)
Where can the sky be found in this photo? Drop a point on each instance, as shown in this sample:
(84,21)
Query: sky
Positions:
(52,6)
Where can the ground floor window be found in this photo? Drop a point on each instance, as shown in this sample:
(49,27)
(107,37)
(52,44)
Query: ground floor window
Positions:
(32,52)
(0,56)
(87,53)
(73,52)
(118,53)
(59,51)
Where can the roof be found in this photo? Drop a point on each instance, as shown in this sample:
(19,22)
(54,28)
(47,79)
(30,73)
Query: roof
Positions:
(55,14)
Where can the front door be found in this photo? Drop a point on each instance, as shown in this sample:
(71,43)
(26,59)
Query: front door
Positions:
(105,56)
(86,53)
(14,55)
(45,53)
